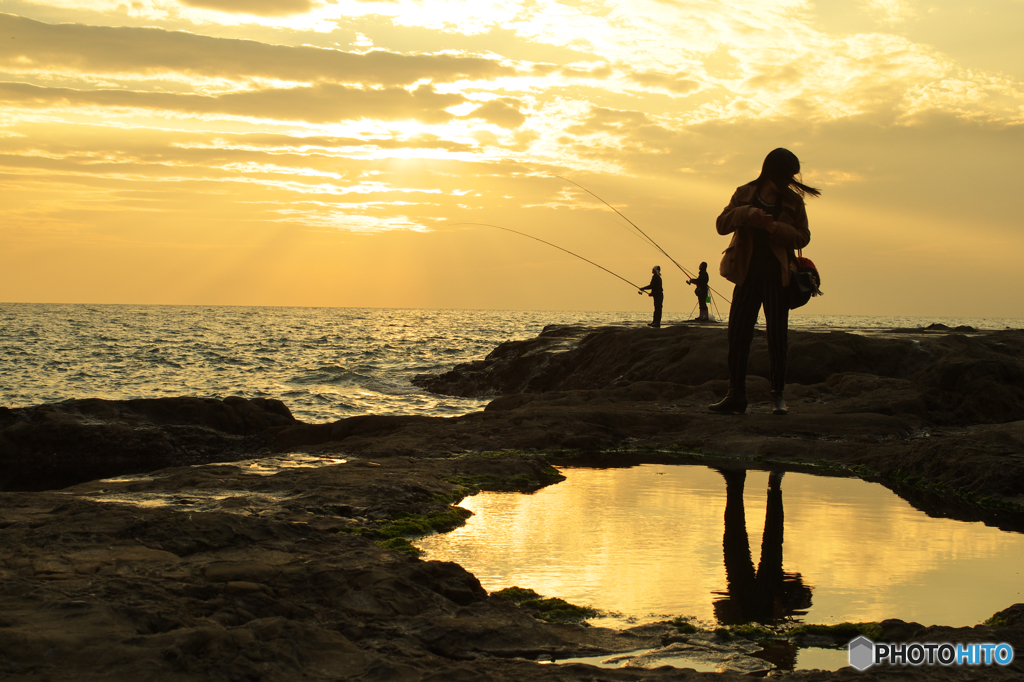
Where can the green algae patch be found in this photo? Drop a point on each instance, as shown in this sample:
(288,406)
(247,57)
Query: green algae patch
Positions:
(752,631)
(454,497)
(401,545)
(842,631)
(555,610)
(394,533)
(758,632)
(997,620)
(550,609)
(404,524)
(680,451)
(761,633)
(520,454)
(683,625)
(516,594)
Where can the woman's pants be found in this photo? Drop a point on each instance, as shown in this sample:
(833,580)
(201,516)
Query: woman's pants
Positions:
(747,299)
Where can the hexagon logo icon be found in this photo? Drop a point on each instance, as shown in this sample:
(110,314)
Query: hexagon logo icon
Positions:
(862,653)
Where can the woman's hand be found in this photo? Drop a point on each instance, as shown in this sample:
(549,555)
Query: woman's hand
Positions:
(759,218)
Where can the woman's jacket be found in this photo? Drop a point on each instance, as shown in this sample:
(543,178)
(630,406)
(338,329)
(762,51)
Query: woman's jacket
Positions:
(789,232)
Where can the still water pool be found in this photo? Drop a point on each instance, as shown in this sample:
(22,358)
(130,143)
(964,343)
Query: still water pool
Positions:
(649,542)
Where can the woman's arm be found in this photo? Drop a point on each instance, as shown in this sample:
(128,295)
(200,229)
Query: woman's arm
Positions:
(736,214)
(793,236)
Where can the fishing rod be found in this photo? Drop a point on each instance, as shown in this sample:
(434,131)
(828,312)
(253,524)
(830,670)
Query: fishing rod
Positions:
(554,245)
(646,236)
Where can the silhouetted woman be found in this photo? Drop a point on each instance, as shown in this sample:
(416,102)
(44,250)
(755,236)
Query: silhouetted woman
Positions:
(767,220)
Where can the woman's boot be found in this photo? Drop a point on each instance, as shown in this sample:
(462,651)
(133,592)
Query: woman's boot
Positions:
(735,402)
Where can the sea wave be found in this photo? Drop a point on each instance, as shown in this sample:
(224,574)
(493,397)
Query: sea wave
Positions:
(325,363)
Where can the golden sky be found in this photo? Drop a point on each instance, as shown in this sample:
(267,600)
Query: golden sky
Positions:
(332,152)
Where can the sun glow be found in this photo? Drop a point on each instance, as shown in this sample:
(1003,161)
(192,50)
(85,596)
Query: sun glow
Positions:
(236,111)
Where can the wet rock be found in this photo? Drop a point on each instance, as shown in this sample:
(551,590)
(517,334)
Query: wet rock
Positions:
(233,571)
(52,446)
(897,406)
(270,590)
(702,650)
(956,379)
(620,356)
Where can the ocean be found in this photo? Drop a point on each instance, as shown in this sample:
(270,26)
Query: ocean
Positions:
(323,363)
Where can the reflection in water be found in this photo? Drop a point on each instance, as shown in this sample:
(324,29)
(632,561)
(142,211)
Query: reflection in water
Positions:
(646,542)
(213,493)
(770,594)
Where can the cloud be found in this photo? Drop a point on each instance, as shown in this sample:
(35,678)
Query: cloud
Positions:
(325,103)
(771,77)
(503,112)
(680,82)
(601,71)
(148,52)
(605,120)
(263,8)
(308,146)
(894,11)
(359,223)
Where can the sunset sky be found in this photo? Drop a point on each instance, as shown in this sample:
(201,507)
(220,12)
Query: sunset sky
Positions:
(335,152)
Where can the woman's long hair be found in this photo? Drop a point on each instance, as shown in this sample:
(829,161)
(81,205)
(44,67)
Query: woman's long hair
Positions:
(781,167)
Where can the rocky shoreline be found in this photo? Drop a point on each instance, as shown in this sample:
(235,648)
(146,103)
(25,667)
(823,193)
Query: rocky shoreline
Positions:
(186,538)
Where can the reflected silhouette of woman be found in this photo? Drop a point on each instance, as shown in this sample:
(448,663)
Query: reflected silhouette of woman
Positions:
(768,594)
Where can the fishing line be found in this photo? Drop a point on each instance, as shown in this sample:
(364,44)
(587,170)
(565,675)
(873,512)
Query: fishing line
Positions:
(646,236)
(523,234)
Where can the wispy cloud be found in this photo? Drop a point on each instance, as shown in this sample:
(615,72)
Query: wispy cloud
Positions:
(266,8)
(48,50)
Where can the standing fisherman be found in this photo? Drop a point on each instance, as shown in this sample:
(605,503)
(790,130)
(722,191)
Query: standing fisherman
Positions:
(657,293)
(701,280)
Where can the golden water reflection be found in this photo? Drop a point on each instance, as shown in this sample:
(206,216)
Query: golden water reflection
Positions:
(654,541)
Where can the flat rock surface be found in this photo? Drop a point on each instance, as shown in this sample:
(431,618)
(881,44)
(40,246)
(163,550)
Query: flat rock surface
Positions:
(219,539)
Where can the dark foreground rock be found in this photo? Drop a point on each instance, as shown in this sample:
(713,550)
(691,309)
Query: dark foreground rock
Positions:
(53,446)
(957,379)
(253,583)
(218,573)
(236,572)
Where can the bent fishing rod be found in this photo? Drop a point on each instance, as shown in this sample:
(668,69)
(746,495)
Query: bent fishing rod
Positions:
(523,234)
(646,236)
